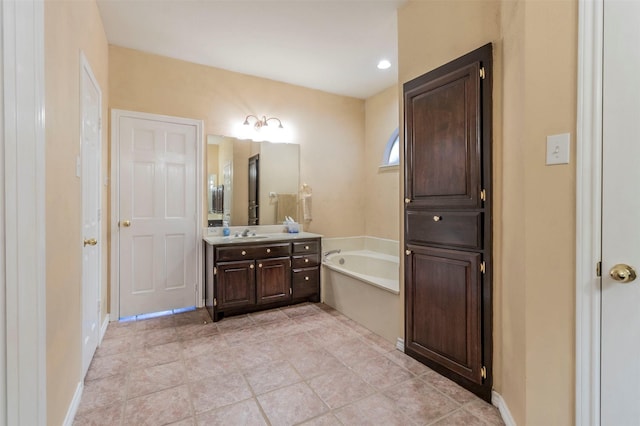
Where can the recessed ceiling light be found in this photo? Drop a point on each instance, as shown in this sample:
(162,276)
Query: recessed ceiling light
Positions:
(384,64)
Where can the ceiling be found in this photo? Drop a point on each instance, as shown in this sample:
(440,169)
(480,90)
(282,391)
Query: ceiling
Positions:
(330,45)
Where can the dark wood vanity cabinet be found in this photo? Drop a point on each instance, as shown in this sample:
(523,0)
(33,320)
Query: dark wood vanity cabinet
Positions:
(246,277)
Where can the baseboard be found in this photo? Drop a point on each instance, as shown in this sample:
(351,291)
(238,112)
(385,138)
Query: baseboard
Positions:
(400,344)
(498,401)
(103,329)
(73,407)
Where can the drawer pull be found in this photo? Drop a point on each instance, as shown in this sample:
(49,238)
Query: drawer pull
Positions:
(259,265)
(306,247)
(306,278)
(306,261)
(268,250)
(243,253)
(437,218)
(251,266)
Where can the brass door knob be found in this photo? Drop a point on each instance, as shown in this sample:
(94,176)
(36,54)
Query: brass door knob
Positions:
(437,218)
(90,242)
(126,223)
(622,273)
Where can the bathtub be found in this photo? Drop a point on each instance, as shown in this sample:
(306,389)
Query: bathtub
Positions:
(362,282)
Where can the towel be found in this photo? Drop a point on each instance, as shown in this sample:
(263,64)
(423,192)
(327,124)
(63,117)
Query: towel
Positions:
(287,206)
(306,207)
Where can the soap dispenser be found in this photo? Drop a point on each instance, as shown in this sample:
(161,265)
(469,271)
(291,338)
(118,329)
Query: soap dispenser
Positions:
(225,228)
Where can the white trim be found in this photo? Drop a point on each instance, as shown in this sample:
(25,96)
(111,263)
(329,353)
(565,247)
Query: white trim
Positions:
(116,114)
(73,406)
(24,210)
(499,402)
(588,211)
(400,344)
(103,328)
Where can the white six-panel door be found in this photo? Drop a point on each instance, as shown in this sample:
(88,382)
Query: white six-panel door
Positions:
(90,144)
(157,214)
(620,362)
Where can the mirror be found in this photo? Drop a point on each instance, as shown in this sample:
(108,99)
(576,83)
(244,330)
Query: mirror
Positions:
(251,183)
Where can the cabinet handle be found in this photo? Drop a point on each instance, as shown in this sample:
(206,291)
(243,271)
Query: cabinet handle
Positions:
(259,265)
(306,278)
(437,218)
(306,261)
(243,252)
(306,247)
(268,250)
(251,266)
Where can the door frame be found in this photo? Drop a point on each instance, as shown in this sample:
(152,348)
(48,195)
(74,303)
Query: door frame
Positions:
(85,67)
(116,114)
(588,210)
(23,387)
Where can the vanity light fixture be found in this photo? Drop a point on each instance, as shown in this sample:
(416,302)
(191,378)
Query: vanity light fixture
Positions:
(384,64)
(260,123)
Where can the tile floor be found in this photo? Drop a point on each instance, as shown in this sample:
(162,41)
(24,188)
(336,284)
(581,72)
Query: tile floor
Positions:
(306,364)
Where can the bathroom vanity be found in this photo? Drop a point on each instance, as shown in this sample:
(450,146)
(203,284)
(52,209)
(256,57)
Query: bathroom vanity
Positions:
(247,274)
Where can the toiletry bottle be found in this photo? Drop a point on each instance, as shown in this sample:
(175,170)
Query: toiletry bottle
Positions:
(225,228)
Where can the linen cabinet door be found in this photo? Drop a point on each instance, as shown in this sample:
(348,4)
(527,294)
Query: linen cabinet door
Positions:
(273,279)
(235,284)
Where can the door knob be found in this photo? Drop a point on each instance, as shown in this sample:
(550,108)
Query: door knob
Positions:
(90,242)
(126,223)
(622,273)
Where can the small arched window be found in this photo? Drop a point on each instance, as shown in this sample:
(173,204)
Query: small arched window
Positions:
(392,150)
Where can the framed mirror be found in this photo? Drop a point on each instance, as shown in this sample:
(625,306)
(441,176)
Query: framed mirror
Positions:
(251,183)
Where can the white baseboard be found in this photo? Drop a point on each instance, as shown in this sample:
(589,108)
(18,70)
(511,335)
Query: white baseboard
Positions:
(73,407)
(498,401)
(400,344)
(103,328)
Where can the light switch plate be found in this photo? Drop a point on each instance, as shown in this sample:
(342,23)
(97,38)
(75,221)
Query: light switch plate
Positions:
(558,148)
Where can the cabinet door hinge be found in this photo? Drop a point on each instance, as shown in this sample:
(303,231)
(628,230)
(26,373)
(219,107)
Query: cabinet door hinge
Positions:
(215,302)
(483,267)
(483,74)
(483,195)
(483,372)
(599,269)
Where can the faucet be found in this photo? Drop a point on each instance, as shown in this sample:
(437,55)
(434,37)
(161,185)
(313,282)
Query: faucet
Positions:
(327,253)
(245,233)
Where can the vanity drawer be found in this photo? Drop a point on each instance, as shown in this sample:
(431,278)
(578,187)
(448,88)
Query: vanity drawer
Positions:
(306,282)
(457,229)
(306,247)
(252,252)
(305,261)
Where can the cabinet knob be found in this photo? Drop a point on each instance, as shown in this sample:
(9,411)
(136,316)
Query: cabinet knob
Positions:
(243,252)
(306,278)
(437,218)
(306,261)
(268,250)
(251,266)
(407,252)
(306,247)
(407,200)
(259,265)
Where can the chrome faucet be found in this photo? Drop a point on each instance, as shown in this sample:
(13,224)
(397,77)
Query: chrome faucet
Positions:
(245,233)
(327,253)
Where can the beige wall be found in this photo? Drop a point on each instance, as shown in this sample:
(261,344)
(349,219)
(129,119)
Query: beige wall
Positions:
(70,26)
(381,185)
(329,128)
(535,44)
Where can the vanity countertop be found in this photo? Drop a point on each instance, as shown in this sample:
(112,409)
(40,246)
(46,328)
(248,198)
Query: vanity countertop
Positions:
(260,238)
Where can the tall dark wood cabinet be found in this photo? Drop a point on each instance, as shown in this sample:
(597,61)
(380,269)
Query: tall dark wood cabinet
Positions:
(448,285)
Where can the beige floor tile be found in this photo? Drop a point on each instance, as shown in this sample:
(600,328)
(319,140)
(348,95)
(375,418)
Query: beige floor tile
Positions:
(460,418)
(374,410)
(380,372)
(154,337)
(235,323)
(352,352)
(114,346)
(210,365)
(167,406)
(155,355)
(340,387)
(193,331)
(155,323)
(199,316)
(485,412)
(204,345)
(226,389)
(106,366)
(296,344)
(156,378)
(191,421)
(305,309)
(420,402)
(246,413)
(448,387)
(314,363)
(407,362)
(265,317)
(324,420)
(334,335)
(271,376)
(243,336)
(251,355)
(118,329)
(379,343)
(291,405)
(105,416)
(102,392)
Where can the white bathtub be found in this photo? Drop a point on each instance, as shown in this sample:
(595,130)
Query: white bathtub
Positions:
(362,282)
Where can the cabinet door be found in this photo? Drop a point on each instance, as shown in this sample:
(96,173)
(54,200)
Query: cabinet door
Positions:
(236,284)
(273,279)
(443,318)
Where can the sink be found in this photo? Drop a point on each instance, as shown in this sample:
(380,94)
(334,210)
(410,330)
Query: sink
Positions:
(250,238)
